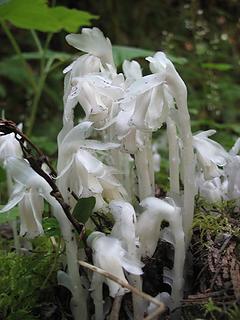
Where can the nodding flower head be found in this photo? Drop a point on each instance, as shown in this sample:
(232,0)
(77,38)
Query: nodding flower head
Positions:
(9,147)
(29,191)
(109,255)
(210,154)
(92,41)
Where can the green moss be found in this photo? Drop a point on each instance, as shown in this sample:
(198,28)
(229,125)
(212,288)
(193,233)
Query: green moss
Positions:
(216,218)
(21,281)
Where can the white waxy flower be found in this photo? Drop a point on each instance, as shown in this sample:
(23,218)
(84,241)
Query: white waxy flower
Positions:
(109,255)
(84,65)
(149,223)
(158,210)
(9,147)
(95,93)
(29,191)
(30,209)
(83,173)
(125,224)
(92,41)
(132,71)
(210,154)
(211,190)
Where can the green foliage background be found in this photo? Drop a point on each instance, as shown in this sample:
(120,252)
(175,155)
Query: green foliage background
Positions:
(200,37)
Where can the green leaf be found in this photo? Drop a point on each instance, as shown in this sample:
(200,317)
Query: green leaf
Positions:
(14,71)
(71,19)
(121,53)
(177,60)
(217,66)
(51,227)
(84,208)
(9,216)
(49,54)
(29,14)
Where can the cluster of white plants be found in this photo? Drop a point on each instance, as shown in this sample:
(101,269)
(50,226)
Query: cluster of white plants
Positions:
(217,171)
(109,155)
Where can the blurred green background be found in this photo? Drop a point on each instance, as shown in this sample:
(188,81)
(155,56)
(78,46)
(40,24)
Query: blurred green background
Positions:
(202,37)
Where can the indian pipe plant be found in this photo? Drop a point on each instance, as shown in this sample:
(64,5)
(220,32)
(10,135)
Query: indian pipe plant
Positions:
(108,157)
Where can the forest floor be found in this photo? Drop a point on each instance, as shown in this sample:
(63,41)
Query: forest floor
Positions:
(212,289)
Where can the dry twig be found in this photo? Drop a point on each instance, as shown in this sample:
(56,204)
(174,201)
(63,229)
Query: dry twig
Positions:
(161,307)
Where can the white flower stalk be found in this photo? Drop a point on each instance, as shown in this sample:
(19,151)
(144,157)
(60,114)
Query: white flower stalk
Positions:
(159,64)
(124,226)
(157,210)
(83,173)
(124,230)
(109,255)
(156,158)
(135,122)
(232,171)
(28,179)
(174,159)
(210,154)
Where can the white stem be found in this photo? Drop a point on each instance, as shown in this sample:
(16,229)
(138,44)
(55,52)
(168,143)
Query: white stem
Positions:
(145,187)
(97,295)
(13,223)
(78,302)
(121,162)
(179,256)
(161,307)
(180,94)
(139,305)
(173,156)
(150,162)
(179,259)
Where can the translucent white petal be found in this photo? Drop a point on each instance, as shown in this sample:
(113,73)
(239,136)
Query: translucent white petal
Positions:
(21,172)
(132,266)
(132,70)
(92,41)
(90,163)
(142,85)
(97,145)
(79,132)
(15,198)
(158,63)
(210,149)
(30,219)
(66,168)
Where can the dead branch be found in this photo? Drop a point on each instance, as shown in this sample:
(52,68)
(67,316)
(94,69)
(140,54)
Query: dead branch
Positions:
(161,307)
